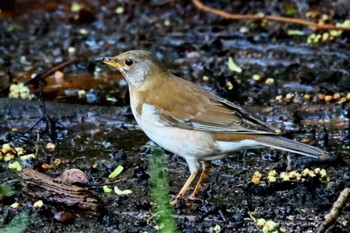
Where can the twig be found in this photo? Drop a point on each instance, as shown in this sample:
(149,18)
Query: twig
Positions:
(226,15)
(40,77)
(52,70)
(335,212)
(163,3)
(37,145)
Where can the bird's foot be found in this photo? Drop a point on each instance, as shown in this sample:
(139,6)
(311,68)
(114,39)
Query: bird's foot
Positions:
(175,201)
(193,196)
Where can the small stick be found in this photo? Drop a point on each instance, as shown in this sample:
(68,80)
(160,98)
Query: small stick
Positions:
(40,77)
(52,70)
(226,15)
(336,210)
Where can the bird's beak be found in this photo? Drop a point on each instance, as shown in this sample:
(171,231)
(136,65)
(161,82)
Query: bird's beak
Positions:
(108,61)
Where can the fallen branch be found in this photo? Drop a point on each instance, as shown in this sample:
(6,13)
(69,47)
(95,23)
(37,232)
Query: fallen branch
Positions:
(226,15)
(38,186)
(335,212)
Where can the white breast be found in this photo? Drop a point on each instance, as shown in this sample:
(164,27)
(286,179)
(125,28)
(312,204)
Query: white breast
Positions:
(183,142)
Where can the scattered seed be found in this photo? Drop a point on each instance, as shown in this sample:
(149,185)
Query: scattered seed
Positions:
(284,176)
(269,81)
(81,94)
(58,75)
(107,189)
(307,97)
(71,50)
(15,165)
(257,77)
(233,67)
(289,96)
(271,179)
(328,98)
(50,146)
(256,178)
(120,192)
(321,96)
(27,157)
(272,173)
(229,85)
(119,10)
(9,157)
(260,222)
(279,98)
(342,100)
(38,204)
(116,172)
(336,96)
(15,205)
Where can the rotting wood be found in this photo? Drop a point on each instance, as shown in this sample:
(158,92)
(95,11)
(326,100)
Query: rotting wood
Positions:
(37,186)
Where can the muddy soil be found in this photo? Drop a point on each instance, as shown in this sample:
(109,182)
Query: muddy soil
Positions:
(299,87)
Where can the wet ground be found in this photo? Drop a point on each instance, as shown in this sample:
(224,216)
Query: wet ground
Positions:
(299,87)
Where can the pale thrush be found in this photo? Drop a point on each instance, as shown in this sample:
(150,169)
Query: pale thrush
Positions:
(192,122)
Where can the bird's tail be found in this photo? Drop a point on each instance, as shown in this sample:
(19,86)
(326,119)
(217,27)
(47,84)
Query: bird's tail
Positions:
(285,144)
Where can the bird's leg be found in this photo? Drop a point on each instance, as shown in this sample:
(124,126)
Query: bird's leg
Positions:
(184,189)
(206,169)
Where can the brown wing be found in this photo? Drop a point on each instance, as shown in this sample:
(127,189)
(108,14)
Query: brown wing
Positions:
(224,116)
(191,107)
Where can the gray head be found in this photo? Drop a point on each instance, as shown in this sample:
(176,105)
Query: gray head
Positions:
(136,66)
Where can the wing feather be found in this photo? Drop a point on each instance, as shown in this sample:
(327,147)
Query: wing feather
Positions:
(197,109)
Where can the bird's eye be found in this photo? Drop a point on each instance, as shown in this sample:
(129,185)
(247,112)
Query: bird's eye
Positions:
(128,62)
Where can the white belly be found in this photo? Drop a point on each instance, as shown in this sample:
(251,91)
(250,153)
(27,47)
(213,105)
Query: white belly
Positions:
(184,142)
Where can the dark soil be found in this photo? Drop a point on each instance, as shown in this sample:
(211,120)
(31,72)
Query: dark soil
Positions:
(96,131)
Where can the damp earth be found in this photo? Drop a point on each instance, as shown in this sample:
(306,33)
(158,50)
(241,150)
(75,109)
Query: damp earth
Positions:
(81,109)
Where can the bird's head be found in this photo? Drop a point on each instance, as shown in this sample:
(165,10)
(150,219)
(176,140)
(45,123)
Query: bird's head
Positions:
(137,66)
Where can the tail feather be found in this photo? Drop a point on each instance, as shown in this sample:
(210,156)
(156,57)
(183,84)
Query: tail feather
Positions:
(285,144)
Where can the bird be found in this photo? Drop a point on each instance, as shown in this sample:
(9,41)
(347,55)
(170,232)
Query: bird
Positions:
(192,122)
